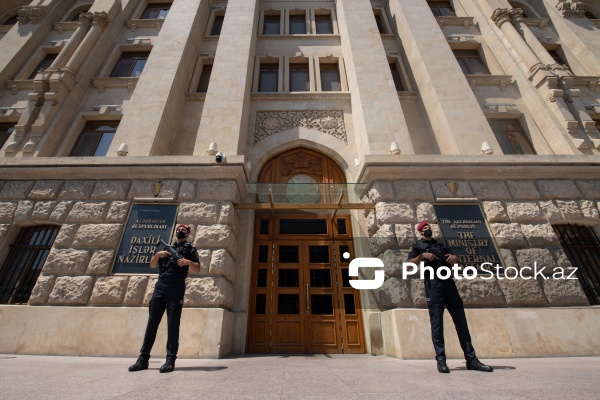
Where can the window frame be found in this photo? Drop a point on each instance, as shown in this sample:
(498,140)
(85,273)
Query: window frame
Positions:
(295,13)
(329,61)
(321,12)
(205,67)
(47,56)
(475,54)
(133,66)
(85,130)
(512,125)
(382,21)
(309,82)
(271,14)
(436,4)
(6,132)
(158,6)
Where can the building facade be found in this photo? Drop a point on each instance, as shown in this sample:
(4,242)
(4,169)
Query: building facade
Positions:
(294,136)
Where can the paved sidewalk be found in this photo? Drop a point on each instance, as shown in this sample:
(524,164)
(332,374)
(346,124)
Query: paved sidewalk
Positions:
(297,377)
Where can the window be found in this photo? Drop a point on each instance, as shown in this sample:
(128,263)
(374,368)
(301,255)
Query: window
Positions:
(95,139)
(268,77)
(45,63)
(379,20)
(78,12)
(156,11)
(24,263)
(441,8)
(204,78)
(396,76)
(597,121)
(588,15)
(298,24)
(271,25)
(12,20)
(323,24)
(470,62)
(217,25)
(130,64)
(5,131)
(511,137)
(330,78)
(299,77)
(557,57)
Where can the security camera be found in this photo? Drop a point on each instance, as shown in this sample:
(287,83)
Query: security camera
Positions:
(123,150)
(219,157)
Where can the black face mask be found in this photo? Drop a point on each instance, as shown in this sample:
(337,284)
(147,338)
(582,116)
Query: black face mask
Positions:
(181,235)
(427,232)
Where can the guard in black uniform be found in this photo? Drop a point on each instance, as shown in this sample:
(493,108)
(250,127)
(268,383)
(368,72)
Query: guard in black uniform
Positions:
(442,293)
(168,295)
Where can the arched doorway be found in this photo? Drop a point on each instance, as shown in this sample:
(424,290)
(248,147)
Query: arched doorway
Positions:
(300,297)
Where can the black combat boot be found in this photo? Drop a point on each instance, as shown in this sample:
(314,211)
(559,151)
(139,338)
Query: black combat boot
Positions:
(168,366)
(140,364)
(477,365)
(441,365)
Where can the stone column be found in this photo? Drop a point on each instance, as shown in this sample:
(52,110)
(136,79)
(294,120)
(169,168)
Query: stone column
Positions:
(85,22)
(376,110)
(152,115)
(225,114)
(500,17)
(100,22)
(535,45)
(441,83)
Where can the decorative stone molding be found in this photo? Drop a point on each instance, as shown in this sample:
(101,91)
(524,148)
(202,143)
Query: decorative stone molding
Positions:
(195,97)
(516,15)
(541,23)
(300,96)
(101,20)
(568,8)
(502,81)
(134,24)
(269,123)
(500,16)
(301,163)
(465,22)
(86,19)
(112,83)
(61,27)
(30,15)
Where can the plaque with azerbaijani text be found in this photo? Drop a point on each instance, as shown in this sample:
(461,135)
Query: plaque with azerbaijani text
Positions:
(466,234)
(147,224)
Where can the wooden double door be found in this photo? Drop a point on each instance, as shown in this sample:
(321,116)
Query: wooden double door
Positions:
(301,300)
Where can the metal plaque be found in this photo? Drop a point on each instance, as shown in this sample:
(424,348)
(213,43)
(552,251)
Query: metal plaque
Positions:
(147,224)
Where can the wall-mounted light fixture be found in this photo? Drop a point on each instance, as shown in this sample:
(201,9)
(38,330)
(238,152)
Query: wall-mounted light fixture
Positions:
(156,186)
(212,149)
(123,150)
(486,148)
(394,149)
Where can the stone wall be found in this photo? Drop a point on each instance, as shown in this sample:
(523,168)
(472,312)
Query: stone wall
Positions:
(92,214)
(520,214)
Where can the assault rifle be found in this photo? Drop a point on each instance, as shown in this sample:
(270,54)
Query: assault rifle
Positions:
(175,256)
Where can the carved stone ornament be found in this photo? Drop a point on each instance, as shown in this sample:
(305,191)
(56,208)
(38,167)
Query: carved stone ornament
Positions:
(269,123)
(500,16)
(101,19)
(516,15)
(569,8)
(30,15)
(86,19)
(301,163)
(578,9)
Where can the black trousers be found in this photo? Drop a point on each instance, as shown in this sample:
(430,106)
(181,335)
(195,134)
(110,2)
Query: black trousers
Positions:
(169,297)
(443,294)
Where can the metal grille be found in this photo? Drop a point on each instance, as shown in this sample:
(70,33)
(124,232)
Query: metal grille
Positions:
(24,263)
(583,249)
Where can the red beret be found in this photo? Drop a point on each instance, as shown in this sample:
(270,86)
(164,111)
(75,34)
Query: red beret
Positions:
(421,225)
(187,227)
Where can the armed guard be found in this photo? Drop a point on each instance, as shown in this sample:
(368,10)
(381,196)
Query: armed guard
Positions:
(442,293)
(173,263)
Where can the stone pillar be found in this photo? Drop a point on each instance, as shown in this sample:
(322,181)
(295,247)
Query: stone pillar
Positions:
(225,114)
(440,81)
(100,22)
(151,117)
(85,22)
(522,50)
(376,110)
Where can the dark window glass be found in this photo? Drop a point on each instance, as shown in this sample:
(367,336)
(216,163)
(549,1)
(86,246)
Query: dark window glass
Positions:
(24,263)
(217,25)
(396,76)
(268,77)
(156,11)
(324,25)
(298,24)
(320,278)
(588,14)
(318,254)
(5,131)
(303,227)
(349,304)
(441,8)
(11,21)
(271,25)
(341,226)
(288,254)
(558,58)
(288,278)
(264,226)
(204,78)
(299,81)
(131,64)
(330,78)
(345,249)
(345,277)
(470,62)
(261,278)
(263,254)
(380,24)
(77,14)
(45,63)
(288,304)
(321,304)
(261,304)
(95,139)
(511,137)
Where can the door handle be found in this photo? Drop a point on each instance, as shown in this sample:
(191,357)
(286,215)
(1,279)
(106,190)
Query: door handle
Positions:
(307,299)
